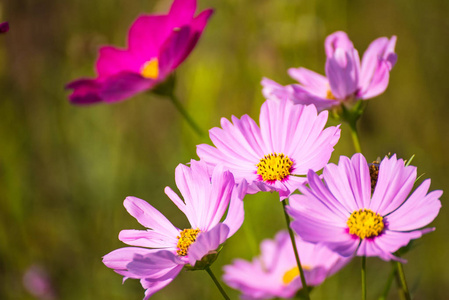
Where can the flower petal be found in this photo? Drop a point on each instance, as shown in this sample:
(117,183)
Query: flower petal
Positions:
(149,217)
(207,241)
(342,70)
(313,82)
(417,211)
(335,41)
(394,183)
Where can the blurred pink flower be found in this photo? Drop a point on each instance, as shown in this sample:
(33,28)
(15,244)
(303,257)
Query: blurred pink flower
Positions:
(37,282)
(291,140)
(346,79)
(274,274)
(206,198)
(4,27)
(157,45)
(344,214)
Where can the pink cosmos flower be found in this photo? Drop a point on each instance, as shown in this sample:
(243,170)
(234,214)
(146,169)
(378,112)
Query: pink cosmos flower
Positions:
(4,27)
(346,79)
(291,140)
(274,274)
(345,215)
(157,45)
(207,196)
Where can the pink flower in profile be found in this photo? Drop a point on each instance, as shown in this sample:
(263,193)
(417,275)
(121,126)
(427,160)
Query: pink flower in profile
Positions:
(364,210)
(4,27)
(157,45)
(346,79)
(291,140)
(274,274)
(206,198)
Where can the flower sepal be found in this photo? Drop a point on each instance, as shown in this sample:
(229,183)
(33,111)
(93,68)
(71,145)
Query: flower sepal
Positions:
(205,262)
(301,294)
(165,88)
(349,111)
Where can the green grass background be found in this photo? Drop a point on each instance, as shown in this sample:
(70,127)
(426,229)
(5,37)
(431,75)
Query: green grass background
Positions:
(65,170)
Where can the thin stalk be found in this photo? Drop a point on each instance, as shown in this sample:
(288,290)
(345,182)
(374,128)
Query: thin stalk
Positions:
(363,277)
(222,291)
(402,280)
(355,136)
(388,283)
(185,114)
(295,250)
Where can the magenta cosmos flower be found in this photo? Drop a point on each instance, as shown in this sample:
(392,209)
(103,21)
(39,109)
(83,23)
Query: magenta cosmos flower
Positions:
(4,27)
(344,213)
(346,79)
(290,141)
(157,45)
(168,249)
(274,274)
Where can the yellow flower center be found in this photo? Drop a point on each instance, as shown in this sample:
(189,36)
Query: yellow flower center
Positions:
(187,238)
(329,95)
(150,69)
(365,223)
(292,274)
(274,167)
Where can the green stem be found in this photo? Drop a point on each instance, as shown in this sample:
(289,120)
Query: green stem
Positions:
(388,283)
(355,136)
(363,277)
(185,114)
(295,250)
(222,291)
(403,282)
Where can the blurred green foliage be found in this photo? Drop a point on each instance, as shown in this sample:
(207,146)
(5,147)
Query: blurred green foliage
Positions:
(65,170)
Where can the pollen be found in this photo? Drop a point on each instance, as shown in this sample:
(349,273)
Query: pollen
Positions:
(187,237)
(150,69)
(292,274)
(365,223)
(274,167)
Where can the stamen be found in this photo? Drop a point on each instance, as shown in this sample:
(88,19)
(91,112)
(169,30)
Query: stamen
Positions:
(365,223)
(329,95)
(187,238)
(150,69)
(292,274)
(274,167)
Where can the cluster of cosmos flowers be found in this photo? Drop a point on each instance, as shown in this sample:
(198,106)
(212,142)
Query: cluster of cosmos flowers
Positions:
(353,208)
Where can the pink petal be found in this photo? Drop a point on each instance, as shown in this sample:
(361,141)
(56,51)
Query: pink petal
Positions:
(182,11)
(378,83)
(273,90)
(85,91)
(337,40)
(124,85)
(394,183)
(207,241)
(417,211)
(112,61)
(313,82)
(150,239)
(235,215)
(146,36)
(149,217)
(350,182)
(300,95)
(158,265)
(342,70)
(119,259)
